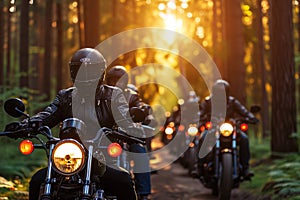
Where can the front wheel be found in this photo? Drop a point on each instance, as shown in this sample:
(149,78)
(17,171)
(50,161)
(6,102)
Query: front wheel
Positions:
(226,177)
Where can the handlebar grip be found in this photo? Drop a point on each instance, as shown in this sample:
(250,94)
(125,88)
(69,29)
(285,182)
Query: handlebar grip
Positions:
(14,134)
(127,138)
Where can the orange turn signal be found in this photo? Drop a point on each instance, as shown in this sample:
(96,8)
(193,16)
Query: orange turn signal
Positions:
(26,147)
(114,149)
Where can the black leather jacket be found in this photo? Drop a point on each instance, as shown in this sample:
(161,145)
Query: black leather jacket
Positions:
(111,107)
(234,109)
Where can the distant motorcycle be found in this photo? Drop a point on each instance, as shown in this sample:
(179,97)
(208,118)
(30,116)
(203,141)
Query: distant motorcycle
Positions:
(221,167)
(189,157)
(69,170)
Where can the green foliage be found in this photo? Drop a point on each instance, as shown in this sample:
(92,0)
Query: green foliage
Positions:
(32,99)
(275,178)
(284,177)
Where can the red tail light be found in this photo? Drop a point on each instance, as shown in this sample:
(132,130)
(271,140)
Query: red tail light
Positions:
(208,125)
(244,127)
(114,150)
(26,147)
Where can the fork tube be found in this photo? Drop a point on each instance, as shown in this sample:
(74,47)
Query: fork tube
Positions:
(217,151)
(47,190)
(234,145)
(87,182)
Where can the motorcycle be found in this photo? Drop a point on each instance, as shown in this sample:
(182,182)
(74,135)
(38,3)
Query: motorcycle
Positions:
(222,170)
(189,157)
(69,169)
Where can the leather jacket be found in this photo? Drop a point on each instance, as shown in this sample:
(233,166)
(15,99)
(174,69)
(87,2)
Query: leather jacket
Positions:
(234,109)
(110,104)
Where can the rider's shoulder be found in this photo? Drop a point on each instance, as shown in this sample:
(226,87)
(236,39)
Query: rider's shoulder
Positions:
(207,98)
(66,91)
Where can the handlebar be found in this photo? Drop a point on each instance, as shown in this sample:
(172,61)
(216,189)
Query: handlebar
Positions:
(127,138)
(16,134)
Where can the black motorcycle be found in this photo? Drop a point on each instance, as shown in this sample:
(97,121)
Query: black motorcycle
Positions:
(222,170)
(69,171)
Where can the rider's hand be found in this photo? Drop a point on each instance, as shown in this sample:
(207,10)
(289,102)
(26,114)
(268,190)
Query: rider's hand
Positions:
(253,120)
(14,126)
(136,131)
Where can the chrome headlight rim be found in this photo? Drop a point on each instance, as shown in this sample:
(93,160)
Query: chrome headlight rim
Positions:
(226,129)
(80,148)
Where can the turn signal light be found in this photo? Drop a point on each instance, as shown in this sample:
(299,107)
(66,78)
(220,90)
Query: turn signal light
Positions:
(244,127)
(26,147)
(114,150)
(208,125)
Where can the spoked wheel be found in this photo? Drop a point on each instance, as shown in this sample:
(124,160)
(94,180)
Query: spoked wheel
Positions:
(226,179)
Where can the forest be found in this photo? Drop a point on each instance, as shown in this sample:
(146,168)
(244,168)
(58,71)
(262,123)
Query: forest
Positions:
(170,47)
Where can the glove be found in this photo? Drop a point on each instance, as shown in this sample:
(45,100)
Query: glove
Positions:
(253,120)
(13,126)
(136,131)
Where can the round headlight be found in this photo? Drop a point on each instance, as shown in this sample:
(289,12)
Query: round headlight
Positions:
(68,157)
(169,130)
(226,129)
(192,131)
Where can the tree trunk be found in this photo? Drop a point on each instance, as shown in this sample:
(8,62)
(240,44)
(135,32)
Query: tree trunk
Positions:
(260,70)
(1,43)
(59,48)
(24,43)
(48,48)
(92,23)
(8,63)
(234,49)
(283,82)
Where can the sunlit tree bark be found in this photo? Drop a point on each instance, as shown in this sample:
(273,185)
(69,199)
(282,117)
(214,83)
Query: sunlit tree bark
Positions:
(258,55)
(234,48)
(283,82)
(91,23)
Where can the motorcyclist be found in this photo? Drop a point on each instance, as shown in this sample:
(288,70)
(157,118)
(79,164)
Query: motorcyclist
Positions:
(104,106)
(118,76)
(233,109)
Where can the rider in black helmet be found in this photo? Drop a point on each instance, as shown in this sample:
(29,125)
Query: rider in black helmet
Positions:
(118,76)
(91,101)
(220,97)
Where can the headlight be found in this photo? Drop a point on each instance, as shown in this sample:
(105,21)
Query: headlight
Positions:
(226,129)
(169,130)
(68,157)
(192,131)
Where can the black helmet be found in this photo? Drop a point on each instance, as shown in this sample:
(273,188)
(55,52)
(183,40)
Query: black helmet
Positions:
(221,85)
(117,76)
(87,64)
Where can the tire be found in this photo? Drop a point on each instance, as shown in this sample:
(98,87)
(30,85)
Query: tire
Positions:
(226,179)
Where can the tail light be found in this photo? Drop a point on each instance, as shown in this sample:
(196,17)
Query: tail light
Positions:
(208,125)
(114,149)
(244,127)
(26,147)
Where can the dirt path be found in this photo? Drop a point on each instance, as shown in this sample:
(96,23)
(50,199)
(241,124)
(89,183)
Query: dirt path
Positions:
(174,183)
